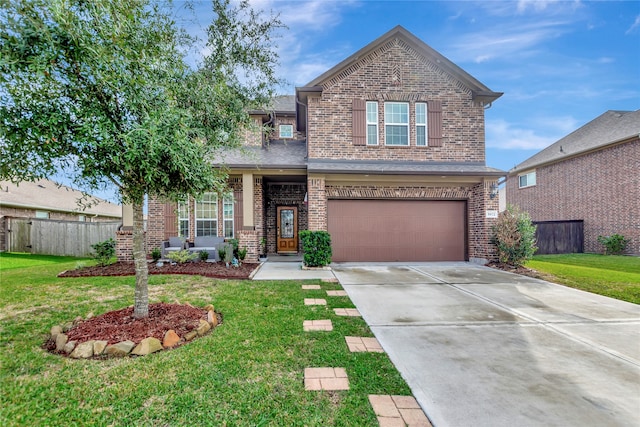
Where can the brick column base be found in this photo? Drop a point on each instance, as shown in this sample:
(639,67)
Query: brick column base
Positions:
(250,240)
(124,245)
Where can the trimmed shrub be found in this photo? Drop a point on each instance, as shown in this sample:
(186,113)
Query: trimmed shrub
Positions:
(317,248)
(514,236)
(614,244)
(104,252)
(182,256)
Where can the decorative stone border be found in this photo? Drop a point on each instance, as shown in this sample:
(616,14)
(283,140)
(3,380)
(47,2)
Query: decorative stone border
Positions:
(93,348)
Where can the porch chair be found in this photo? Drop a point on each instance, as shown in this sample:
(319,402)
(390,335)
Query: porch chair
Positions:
(172,245)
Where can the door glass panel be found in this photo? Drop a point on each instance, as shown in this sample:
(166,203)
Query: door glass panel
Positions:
(286,223)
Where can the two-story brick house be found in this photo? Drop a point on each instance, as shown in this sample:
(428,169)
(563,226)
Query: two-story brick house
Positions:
(590,175)
(385,151)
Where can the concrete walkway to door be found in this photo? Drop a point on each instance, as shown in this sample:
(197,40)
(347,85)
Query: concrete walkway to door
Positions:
(482,347)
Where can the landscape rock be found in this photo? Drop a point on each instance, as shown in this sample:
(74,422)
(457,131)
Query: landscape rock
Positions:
(147,346)
(120,349)
(83,350)
(99,347)
(212,318)
(61,341)
(69,346)
(55,330)
(208,307)
(203,328)
(190,335)
(171,339)
(78,320)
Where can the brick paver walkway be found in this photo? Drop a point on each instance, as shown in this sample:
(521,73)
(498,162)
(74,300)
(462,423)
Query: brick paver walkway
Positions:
(363,344)
(398,411)
(337,293)
(352,312)
(315,301)
(317,325)
(325,379)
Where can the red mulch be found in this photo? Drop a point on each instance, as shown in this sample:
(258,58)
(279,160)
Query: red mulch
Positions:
(120,325)
(207,269)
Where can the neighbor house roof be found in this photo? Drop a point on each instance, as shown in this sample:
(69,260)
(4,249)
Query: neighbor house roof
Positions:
(280,104)
(49,196)
(610,128)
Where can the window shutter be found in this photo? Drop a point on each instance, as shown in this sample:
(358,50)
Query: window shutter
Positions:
(434,123)
(170,220)
(359,122)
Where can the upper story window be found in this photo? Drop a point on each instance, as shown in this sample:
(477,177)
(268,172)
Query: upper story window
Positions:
(396,123)
(372,123)
(207,215)
(286,131)
(421,123)
(527,179)
(183,219)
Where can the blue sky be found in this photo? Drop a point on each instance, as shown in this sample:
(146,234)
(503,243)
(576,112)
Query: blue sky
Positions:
(560,64)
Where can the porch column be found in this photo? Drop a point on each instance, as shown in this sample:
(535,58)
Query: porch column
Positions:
(317,200)
(247,200)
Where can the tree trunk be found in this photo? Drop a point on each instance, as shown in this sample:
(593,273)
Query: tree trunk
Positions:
(141,300)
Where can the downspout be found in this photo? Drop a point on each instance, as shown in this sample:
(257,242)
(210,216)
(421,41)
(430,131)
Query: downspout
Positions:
(306,134)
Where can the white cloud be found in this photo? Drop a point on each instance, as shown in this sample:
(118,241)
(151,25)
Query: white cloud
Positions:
(503,135)
(507,40)
(634,26)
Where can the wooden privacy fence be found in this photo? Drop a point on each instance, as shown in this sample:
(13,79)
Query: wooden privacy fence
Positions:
(53,237)
(560,237)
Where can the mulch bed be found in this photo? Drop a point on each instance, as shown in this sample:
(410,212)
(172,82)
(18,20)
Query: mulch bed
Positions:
(207,269)
(120,325)
(518,270)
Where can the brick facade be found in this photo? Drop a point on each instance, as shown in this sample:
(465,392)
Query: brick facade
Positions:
(602,188)
(372,79)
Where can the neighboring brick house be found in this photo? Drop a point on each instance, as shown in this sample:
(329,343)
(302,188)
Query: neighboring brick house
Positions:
(386,151)
(589,175)
(46,199)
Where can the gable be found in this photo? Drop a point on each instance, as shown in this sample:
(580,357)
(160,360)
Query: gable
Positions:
(399,39)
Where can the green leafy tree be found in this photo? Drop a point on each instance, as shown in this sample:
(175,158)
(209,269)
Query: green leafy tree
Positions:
(101,90)
(514,236)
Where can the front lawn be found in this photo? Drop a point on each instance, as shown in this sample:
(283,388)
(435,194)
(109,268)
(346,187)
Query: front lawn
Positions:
(247,372)
(609,275)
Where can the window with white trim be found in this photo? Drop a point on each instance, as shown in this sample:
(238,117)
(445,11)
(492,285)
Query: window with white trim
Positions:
(372,123)
(227,214)
(421,124)
(207,215)
(396,123)
(286,131)
(527,179)
(183,219)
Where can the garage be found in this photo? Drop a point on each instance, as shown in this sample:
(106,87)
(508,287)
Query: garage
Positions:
(397,230)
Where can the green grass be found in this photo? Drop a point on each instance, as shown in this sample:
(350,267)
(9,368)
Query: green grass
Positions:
(247,372)
(609,275)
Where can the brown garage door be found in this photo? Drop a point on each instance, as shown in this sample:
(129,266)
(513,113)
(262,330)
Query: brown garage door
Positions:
(391,230)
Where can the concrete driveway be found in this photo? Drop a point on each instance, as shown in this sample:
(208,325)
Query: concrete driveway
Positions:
(482,347)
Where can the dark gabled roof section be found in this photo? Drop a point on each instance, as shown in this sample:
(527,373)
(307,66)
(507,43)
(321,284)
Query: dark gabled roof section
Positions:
(290,154)
(609,128)
(280,105)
